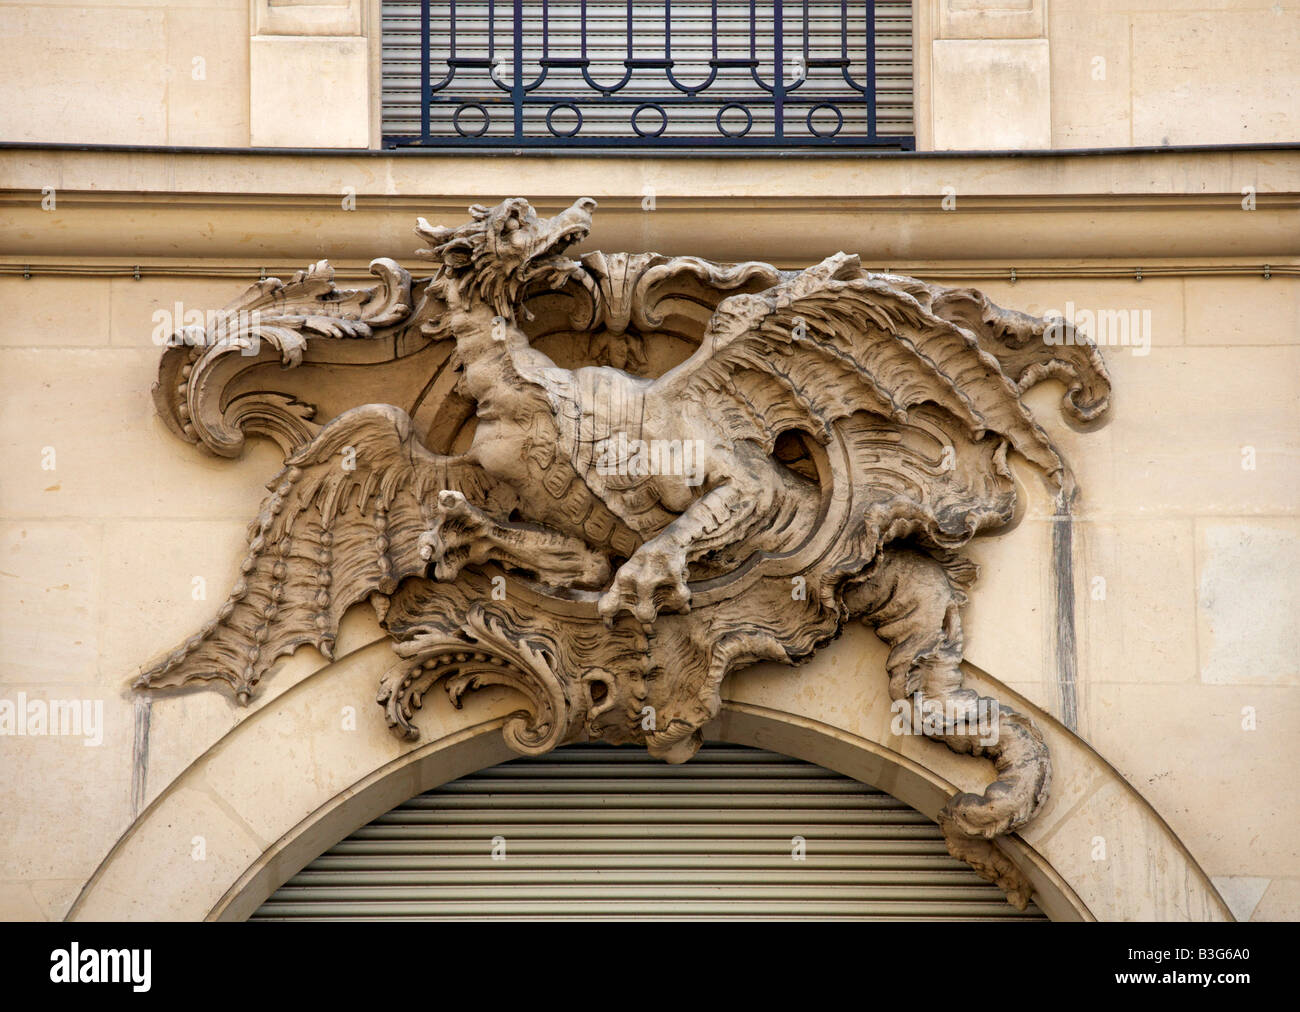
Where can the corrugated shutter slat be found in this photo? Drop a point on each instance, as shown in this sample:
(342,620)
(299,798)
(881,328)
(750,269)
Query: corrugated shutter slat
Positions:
(593,831)
(481,37)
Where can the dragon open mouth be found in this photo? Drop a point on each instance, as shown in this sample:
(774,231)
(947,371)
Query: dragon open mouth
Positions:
(551,257)
(568,228)
(564,240)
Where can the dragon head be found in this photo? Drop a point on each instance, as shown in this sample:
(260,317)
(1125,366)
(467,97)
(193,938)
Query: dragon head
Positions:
(653,701)
(502,249)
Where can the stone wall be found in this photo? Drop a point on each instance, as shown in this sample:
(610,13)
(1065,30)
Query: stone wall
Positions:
(990,74)
(118,540)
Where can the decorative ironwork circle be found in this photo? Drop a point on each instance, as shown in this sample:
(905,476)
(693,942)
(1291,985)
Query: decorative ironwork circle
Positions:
(749,120)
(460,110)
(556,108)
(839,121)
(663,116)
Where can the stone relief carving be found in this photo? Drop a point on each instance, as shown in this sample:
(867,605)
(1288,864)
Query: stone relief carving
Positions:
(608,483)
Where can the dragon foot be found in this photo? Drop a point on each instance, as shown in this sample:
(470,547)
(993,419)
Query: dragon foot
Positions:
(653,580)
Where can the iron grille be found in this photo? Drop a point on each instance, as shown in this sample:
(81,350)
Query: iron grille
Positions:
(607,73)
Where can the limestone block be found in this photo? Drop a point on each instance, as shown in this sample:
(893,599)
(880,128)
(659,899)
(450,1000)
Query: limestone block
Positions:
(50,574)
(1214,313)
(65,801)
(1216,77)
(1135,614)
(308,17)
(1242,893)
(1107,852)
(1091,78)
(1247,597)
(1163,453)
(207,85)
(1280,902)
(1161,6)
(155,4)
(153,598)
(54,78)
(50,312)
(199,843)
(55,896)
(309,92)
(18,904)
(991,19)
(1225,790)
(1074,778)
(1015,589)
(181,728)
(113,456)
(991,94)
(142,312)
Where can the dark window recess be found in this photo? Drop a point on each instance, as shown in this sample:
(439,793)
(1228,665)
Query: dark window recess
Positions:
(690,73)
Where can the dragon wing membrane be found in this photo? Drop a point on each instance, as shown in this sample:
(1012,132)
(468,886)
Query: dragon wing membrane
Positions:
(342,521)
(838,341)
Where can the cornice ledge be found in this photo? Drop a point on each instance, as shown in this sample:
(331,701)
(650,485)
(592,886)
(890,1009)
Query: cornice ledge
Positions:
(700,180)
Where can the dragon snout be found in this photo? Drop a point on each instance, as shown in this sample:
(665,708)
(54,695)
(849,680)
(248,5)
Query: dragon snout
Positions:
(577,217)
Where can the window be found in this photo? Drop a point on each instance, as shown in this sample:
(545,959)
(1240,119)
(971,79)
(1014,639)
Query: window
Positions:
(691,73)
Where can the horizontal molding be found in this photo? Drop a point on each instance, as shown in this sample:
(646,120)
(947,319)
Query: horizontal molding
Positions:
(677,154)
(822,203)
(425,174)
(725,231)
(352,273)
(286,207)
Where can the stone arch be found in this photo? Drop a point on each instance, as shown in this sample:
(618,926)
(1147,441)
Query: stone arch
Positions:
(277,790)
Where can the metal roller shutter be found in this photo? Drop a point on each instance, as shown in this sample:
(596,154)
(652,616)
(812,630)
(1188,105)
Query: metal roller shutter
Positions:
(485,31)
(595,831)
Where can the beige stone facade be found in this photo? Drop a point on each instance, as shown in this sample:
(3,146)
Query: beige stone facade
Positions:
(990,74)
(1174,713)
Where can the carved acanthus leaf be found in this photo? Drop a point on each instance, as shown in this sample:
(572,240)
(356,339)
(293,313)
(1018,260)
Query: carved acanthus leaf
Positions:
(485,649)
(270,316)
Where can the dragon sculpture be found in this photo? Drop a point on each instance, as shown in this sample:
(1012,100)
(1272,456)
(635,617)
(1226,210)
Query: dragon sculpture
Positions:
(756,458)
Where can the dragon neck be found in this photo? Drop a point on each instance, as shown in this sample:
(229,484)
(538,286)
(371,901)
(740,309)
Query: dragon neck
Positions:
(502,370)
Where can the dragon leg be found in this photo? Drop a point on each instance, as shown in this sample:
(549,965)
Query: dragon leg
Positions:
(749,500)
(461,534)
(915,608)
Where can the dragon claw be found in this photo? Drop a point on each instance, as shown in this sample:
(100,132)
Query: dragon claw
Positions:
(456,527)
(653,580)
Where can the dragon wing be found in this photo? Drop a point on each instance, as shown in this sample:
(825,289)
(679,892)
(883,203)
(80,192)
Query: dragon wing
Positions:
(837,341)
(342,521)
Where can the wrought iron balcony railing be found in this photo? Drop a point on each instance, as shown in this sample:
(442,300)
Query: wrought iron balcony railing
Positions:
(609,73)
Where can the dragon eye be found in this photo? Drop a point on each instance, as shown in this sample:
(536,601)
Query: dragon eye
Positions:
(511,224)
